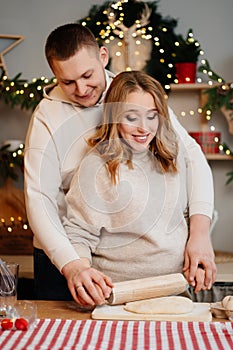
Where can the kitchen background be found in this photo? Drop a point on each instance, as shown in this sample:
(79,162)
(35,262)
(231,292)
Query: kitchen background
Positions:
(211,21)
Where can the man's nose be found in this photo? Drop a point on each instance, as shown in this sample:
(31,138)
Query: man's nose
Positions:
(80,88)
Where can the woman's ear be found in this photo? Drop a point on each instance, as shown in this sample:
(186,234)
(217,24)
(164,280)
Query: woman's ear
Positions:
(104,55)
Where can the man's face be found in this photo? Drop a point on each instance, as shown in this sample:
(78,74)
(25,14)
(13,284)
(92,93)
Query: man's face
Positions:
(82,76)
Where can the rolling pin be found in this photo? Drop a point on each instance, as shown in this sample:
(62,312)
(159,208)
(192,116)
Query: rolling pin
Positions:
(146,288)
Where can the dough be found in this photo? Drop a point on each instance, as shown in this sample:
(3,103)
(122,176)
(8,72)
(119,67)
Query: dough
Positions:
(227,302)
(161,305)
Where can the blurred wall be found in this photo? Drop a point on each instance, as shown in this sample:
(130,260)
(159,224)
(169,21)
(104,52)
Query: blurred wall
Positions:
(211,21)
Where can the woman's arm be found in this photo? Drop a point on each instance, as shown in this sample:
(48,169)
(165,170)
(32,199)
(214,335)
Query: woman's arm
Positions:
(85,217)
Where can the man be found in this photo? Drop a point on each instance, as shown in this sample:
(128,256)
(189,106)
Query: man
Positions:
(55,145)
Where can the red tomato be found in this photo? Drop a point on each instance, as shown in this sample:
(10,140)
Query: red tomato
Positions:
(21,323)
(6,323)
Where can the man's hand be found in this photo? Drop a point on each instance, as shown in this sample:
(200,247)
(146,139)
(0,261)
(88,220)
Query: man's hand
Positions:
(87,285)
(199,281)
(199,255)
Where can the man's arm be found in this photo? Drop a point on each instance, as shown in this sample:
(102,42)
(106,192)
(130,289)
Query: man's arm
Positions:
(199,176)
(42,191)
(199,250)
(199,254)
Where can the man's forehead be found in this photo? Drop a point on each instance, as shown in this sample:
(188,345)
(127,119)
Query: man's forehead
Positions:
(76,66)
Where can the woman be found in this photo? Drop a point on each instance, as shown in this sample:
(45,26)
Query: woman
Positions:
(128,197)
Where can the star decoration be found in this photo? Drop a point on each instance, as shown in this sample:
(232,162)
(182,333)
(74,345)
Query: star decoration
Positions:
(17,39)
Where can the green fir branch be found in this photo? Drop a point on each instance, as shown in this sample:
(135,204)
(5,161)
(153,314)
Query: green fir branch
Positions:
(230,177)
(20,92)
(10,163)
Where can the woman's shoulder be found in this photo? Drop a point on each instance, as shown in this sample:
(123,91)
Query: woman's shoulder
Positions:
(92,175)
(92,163)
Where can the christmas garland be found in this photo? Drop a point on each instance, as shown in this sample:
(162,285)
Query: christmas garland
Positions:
(11,162)
(108,22)
(21,92)
(157,29)
(160,30)
(221,94)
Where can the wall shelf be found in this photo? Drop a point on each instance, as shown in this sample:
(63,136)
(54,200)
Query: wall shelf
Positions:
(186,100)
(186,97)
(218,157)
(192,87)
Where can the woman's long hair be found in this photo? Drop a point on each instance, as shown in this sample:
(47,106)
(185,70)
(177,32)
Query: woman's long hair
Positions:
(107,139)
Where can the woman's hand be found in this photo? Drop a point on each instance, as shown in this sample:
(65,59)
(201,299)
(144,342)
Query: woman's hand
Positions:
(88,286)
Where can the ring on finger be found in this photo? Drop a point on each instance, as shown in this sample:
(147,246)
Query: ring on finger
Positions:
(77,287)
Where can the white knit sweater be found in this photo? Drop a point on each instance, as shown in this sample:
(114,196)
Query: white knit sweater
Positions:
(55,145)
(135,229)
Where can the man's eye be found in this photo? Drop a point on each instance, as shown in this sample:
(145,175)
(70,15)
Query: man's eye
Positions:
(87,76)
(67,82)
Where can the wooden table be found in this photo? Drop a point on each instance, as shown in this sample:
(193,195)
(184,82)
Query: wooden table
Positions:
(61,309)
(60,325)
(69,310)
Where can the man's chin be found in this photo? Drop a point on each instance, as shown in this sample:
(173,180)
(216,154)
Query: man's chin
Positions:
(88,103)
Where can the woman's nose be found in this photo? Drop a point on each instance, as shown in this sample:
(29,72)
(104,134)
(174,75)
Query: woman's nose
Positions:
(142,126)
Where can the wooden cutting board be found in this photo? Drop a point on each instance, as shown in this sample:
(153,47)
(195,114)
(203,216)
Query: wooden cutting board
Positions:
(201,312)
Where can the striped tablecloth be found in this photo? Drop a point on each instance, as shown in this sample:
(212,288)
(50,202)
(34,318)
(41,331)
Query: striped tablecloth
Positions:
(89,334)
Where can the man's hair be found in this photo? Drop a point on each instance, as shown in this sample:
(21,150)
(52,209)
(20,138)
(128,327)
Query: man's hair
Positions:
(64,41)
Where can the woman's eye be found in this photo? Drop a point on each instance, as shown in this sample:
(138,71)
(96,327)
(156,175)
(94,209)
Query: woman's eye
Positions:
(130,118)
(152,116)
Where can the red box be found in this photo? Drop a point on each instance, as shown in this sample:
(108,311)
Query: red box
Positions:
(209,141)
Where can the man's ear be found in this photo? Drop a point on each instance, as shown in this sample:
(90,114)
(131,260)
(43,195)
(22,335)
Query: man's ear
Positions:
(104,55)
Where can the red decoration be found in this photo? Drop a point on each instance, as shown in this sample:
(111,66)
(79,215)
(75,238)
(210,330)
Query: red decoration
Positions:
(207,141)
(186,72)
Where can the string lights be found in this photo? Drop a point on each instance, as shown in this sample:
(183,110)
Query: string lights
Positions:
(13,224)
(137,35)
(15,236)
(22,92)
(11,162)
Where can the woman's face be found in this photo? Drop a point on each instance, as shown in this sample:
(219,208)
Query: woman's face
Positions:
(139,120)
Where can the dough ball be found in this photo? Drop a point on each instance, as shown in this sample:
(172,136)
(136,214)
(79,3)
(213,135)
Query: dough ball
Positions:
(161,305)
(227,302)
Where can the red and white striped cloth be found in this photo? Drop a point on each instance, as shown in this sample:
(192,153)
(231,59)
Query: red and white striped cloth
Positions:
(89,334)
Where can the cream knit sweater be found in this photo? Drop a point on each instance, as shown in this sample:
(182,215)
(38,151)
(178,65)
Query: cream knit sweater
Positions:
(54,147)
(135,229)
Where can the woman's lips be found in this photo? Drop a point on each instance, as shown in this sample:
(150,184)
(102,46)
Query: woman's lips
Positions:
(140,138)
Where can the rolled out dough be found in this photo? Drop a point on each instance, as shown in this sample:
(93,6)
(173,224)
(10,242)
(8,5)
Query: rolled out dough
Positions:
(161,305)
